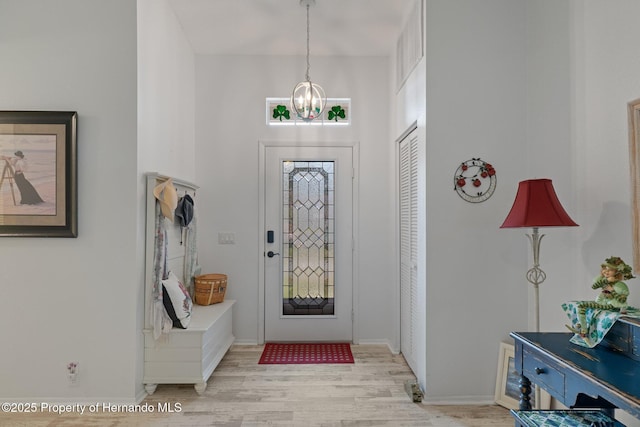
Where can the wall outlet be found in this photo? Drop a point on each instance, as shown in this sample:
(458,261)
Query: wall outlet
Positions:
(72,371)
(226,238)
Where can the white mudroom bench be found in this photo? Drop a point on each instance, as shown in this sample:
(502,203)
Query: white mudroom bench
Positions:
(180,356)
(189,356)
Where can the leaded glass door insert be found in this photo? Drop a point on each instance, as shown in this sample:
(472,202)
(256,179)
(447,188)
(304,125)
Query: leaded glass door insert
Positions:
(308,195)
(308,238)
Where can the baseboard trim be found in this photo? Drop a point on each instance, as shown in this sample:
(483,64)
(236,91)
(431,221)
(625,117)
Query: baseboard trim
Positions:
(142,394)
(380,342)
(386,343)
(459,400)
(245,342)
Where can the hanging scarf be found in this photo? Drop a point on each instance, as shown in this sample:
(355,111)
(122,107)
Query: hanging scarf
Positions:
(160,320)
(191,267)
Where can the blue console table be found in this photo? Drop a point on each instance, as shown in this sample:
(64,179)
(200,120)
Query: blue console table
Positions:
(606,376)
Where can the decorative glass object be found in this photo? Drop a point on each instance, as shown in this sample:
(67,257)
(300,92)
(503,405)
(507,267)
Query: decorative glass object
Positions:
(308,238)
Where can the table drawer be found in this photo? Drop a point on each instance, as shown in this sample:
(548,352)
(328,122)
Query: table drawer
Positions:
(618,338)
(624,337)
(544,373)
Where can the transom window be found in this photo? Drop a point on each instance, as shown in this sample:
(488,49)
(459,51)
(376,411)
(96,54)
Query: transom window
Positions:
(336,113)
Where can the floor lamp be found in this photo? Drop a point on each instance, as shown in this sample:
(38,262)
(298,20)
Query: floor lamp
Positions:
(537,205)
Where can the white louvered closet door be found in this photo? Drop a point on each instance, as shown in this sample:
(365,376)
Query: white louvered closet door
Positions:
(409,248)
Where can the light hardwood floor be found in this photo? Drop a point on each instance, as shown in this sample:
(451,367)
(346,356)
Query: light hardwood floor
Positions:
(240,392)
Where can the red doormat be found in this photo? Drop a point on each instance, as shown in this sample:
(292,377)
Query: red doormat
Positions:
(305,353)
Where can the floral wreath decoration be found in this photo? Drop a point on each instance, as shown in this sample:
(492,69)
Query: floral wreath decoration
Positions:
(475,180)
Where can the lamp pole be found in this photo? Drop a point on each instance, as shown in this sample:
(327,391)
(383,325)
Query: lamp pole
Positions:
(535,275)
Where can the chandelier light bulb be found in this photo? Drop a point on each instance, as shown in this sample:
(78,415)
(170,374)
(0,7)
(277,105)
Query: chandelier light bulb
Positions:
(308,100)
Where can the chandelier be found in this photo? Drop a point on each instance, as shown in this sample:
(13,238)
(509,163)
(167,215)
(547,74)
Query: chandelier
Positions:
(308,99)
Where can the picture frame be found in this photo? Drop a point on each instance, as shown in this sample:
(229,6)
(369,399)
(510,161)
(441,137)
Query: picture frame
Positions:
(633,108)
(507,393)
(38,182)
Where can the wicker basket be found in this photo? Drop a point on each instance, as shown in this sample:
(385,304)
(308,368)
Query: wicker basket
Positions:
(210,288)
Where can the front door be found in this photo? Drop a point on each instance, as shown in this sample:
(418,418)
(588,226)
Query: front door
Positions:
(308,244)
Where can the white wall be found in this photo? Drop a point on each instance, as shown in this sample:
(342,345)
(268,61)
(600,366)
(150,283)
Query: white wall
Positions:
(166,93)
(166,117)
(230,121)
(475,80)
(607,66)
(550,149)
(580,76)
(75,299)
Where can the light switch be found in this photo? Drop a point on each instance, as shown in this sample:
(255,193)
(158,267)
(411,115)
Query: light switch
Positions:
(226,238)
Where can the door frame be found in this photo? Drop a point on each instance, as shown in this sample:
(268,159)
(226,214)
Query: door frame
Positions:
(262,149)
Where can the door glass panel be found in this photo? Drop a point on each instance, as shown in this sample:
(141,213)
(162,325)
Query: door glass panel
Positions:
(308,238)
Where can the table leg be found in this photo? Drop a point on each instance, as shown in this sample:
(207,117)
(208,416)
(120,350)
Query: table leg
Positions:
(525,393)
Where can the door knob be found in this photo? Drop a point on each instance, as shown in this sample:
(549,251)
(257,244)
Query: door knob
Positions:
(271,254)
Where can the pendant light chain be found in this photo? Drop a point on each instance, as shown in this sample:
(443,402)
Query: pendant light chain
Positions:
(308,62)
(308,99)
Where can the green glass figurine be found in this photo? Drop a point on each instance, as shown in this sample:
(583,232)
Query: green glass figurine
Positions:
(613,294)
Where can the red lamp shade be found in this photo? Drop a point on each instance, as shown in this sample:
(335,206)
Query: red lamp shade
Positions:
(537,205)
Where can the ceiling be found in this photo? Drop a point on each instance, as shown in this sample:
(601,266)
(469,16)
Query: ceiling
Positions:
(278,27)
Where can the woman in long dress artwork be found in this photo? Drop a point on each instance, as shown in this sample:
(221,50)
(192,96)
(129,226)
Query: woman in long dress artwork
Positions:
(28,193)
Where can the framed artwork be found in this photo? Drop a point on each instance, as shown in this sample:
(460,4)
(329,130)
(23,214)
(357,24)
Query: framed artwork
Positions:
(634,163)
(507,383)
(38,183)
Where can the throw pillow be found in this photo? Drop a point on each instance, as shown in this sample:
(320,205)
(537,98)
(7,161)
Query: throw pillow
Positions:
(177,301)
